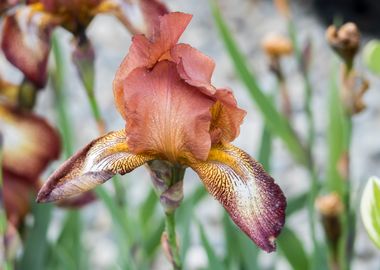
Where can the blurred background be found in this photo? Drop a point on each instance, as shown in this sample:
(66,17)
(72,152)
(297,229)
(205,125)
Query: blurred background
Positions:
(205,233)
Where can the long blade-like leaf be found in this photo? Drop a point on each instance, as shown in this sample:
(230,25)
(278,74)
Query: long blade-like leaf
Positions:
(275,121)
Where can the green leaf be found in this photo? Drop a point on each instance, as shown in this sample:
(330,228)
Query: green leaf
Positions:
(370,209)
(184,217)
(36,239)
(213,261)
(371,54)
(292,249)
(337,136)
(265,150)
(124,232)
(275,121)
(240,249)
(296,203)
(148,207)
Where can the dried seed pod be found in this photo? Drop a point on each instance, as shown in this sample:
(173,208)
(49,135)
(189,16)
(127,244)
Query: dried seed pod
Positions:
(345,41)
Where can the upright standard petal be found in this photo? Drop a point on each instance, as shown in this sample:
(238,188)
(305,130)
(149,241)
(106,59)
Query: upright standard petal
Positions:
(194,67)
(255,203)
(27,51)
(91,166)
(146,52)
(165,115)
(30,143)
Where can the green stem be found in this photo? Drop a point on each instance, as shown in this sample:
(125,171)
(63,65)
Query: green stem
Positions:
(172,240)
(310,139)
(60,98)
(348,218)
(96,112)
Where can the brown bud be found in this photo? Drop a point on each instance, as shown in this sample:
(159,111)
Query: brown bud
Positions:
(330,207)
(345,41)
(276,45)
(282,7)
(83,57)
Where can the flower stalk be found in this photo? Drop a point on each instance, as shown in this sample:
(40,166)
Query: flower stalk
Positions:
(176,195)
(172,240)
(84,60)
(168,182)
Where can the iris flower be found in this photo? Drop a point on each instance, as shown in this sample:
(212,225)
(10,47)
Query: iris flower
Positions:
(173,113)
(29,145)
(27,32)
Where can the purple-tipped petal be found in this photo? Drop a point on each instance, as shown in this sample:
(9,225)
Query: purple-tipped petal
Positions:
(93,165)
(255,203)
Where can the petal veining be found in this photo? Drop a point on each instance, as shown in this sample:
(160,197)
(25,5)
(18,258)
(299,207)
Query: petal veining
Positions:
(165,115)
(255,203)
(91,166)
(146,52)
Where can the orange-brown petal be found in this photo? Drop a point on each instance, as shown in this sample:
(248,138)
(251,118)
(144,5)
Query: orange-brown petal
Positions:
(226,117)
(165,115)
(194,67)
(251,197)
(146,52)
(30,143)
(17,194)
(27,49)
(93,165)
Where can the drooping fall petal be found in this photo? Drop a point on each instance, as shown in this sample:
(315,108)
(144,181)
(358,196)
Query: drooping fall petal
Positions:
(145,52)
(16,195)
(93,165)
(165,115)
(27,49)
(30,143)
(255,203)
(194,67)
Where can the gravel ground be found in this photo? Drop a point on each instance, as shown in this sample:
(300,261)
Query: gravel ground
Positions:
(249,22)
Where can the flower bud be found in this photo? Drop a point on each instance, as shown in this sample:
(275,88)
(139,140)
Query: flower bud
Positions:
(83,57)
(276,45)
(282,7)
(329,205)
(330,208)
(345,41)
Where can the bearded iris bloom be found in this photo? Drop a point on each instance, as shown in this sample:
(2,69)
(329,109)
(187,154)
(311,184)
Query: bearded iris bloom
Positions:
(27,31)
(174,114)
